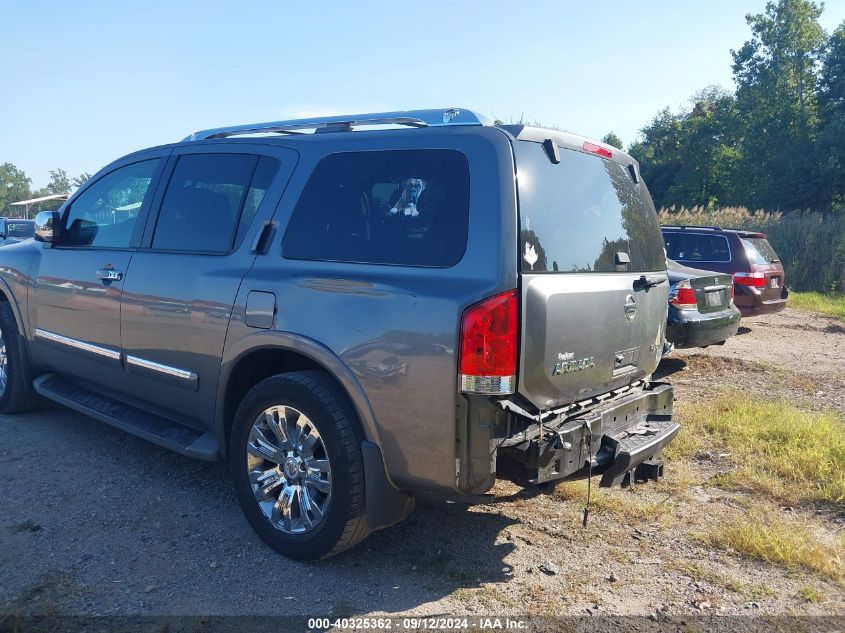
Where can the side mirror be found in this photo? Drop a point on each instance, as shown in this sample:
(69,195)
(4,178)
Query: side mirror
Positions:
(46,226)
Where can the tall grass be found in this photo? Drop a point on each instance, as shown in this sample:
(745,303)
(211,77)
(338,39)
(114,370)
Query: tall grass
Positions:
(811,247)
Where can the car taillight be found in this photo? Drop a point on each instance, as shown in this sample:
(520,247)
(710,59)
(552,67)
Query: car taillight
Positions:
(489,332)
(682,296)
(755,280)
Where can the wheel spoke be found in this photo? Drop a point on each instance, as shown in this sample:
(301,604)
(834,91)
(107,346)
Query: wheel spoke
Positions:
(263,448)
(267,481)
(320,484)
(309,512)
(282,509)
(276,423)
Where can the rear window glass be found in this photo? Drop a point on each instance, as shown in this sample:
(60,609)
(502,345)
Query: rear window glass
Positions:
(697,247)
(759,251)
(406,207)
(576,216)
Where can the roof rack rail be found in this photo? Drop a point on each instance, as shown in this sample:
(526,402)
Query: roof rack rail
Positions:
(345,123)
(691,226)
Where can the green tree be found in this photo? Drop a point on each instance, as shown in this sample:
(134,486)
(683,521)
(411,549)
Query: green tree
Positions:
(690,158)
(776,73)
(831,154)
(612,139)
(14,186)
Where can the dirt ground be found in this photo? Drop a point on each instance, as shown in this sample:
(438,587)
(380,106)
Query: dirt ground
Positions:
(97,522)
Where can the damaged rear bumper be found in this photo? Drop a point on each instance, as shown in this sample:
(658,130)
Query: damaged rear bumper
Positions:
(620,439)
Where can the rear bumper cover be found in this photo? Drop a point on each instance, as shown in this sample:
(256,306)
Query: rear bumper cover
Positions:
(751,302)
(616,437)
(694,329)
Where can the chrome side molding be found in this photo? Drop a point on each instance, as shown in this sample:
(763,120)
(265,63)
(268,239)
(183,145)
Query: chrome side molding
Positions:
(184,374)
(76,344)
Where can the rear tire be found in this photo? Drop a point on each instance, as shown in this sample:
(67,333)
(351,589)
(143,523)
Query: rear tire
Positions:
(16,393)
(295,453)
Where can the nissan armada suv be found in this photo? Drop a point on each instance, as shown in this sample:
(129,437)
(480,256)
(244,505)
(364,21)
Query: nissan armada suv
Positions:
(353,310)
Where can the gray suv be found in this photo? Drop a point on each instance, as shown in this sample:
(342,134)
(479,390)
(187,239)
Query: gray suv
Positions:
(353,310)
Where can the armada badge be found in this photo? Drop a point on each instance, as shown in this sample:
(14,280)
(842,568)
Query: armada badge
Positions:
(569,366)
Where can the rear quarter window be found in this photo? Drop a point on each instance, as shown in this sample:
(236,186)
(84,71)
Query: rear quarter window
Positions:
(697,247)
(403,207)
(759,251)
(575,216)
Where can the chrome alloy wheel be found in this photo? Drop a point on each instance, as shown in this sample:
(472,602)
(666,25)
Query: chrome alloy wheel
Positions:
(4,366)
(289,469)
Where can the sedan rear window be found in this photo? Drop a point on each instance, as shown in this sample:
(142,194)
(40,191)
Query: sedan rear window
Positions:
(585,214)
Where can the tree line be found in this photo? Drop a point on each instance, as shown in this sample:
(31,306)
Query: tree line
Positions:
(15,186)
(777,142)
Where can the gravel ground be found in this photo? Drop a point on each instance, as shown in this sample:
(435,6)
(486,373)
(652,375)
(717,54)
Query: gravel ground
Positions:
(97,522)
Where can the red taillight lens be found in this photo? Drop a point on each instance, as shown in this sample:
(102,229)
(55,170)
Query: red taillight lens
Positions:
(755,280)
(683,296)
(489,332)
(597,149)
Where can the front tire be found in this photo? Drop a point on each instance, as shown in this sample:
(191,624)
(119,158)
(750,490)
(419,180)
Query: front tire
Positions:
(295,453)
(16,393)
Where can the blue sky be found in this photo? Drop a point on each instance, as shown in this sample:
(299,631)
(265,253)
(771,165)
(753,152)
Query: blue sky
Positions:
(85,82)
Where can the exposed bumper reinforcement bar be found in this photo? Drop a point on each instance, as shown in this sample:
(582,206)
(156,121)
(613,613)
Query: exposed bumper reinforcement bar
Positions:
(627,434)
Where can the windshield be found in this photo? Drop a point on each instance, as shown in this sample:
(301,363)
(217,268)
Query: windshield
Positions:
(20,229)
(585,214)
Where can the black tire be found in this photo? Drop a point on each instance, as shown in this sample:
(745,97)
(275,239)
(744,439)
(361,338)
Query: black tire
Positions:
(344,523)
(17,395)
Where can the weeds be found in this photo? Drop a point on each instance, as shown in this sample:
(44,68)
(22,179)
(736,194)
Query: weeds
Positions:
(773,448)
(772,539)
(829,304)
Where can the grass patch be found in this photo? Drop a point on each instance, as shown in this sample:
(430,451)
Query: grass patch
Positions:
(623,503)
(774,540)
(773,448)
(810,594)
(830,304)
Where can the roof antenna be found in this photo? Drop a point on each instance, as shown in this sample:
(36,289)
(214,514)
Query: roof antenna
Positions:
(589,431)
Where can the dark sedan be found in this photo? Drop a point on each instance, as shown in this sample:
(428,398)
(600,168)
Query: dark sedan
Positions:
(701,308)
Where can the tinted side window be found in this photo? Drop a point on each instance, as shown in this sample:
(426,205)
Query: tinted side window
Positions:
(406,207)
(105,213)
(202,205)
(697,247)
(577,215)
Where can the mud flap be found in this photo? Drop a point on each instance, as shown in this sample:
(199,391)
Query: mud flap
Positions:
(386,505)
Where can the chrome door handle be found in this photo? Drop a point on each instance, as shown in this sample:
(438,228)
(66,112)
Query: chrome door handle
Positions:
(109,274)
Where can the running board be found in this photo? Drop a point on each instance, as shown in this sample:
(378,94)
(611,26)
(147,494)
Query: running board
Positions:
(159,430)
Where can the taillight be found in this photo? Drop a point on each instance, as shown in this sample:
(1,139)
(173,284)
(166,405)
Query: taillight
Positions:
(489,332)
(597,149)
(682,296)
(755,280)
